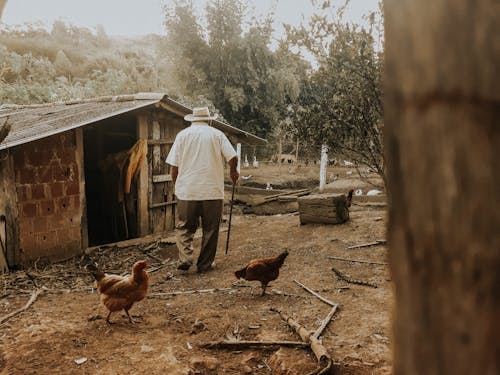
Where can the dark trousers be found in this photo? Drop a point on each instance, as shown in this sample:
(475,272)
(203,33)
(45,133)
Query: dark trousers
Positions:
(189,212)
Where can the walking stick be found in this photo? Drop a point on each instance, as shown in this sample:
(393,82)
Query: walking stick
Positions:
(230,217)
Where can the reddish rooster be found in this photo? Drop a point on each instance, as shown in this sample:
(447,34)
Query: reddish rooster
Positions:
(263,270)
(121,292)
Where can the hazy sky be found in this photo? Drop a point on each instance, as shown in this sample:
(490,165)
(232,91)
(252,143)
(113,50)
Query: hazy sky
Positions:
(139,17)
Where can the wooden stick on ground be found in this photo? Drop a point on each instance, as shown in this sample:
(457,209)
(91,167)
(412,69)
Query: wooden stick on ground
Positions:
(330,315)
(31,301)
(327,301)
(375,243)
(181,292)
(359,261)
(350,280)
(325,322)
(231,344)
(316,346)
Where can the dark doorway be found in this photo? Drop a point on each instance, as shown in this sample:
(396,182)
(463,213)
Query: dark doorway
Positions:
(105,144)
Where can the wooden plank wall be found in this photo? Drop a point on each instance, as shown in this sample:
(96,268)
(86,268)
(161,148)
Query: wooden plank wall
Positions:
(163,127)
(8,207)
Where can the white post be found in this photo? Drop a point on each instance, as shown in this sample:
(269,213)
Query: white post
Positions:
(322,167)
(238,154)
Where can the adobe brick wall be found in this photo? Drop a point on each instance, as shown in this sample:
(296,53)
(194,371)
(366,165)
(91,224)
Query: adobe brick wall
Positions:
(48,195)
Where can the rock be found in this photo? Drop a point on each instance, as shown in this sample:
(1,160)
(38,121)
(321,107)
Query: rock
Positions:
(80,361)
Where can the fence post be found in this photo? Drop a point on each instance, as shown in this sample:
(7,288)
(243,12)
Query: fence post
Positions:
(322,167)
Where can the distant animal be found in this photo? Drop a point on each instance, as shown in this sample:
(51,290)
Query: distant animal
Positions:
(255,162)
(121,292)
(264,270)
(374,192)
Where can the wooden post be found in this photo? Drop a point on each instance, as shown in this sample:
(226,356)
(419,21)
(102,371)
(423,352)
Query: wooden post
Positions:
(297,151)
(280,150)
(81,177)
(238,154)
(322,168)
(9,207)
(442,138)
(143,181)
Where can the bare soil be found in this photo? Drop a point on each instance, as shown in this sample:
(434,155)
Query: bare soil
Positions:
(66,323)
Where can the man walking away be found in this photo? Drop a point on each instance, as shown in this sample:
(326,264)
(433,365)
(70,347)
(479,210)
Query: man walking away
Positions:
(197,159)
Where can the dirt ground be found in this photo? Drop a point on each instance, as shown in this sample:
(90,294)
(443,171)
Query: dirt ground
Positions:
(64,331)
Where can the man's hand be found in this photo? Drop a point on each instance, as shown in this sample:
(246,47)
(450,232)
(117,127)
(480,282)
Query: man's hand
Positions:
(174,172)
(234,176)
(233,172)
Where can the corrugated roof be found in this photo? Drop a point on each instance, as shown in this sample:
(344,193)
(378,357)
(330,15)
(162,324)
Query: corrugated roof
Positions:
(32,122)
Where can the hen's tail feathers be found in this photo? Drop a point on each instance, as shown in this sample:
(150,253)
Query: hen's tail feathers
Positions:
(282,257)
(241,274)
(96,272)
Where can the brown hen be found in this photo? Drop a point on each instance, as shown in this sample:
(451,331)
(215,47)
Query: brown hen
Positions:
(121,292)
(264,270)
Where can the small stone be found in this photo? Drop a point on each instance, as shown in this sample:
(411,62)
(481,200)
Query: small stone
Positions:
(80,361)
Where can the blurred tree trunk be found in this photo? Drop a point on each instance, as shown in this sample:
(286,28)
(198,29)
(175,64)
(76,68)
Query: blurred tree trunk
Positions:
(442,111)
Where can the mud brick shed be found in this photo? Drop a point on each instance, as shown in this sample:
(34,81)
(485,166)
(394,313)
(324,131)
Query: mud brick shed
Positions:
(58,182)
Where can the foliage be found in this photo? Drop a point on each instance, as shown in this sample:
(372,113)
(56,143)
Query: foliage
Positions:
(342,103)
(224,59)
(71,62)
(231,64)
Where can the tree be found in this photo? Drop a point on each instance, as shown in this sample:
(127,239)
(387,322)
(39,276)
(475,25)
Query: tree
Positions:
(442,139)
(231,64)
(343,107)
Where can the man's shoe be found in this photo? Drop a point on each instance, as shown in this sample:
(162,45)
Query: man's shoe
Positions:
(206,269)
(183,266)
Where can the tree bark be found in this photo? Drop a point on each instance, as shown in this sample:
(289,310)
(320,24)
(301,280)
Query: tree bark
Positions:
(442,136)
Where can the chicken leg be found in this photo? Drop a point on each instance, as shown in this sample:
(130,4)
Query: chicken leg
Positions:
(129,317)
(107,318)
(264,286)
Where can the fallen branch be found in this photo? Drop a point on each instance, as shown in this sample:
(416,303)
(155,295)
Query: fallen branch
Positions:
(325,322)
(31,301)
(164,263)
(316,346)
(369,244)
(359,261)
(154,257)
(231,344)
(182,292)
(274,197)
(327,301)
(350,280)
(329,317)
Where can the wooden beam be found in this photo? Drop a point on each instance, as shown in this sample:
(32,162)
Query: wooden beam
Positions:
(142,184)
(153,142)
(162,178)
(163,204)
(173,110)
(83,197)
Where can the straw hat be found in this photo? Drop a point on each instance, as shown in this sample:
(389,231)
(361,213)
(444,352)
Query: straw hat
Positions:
(200,114)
